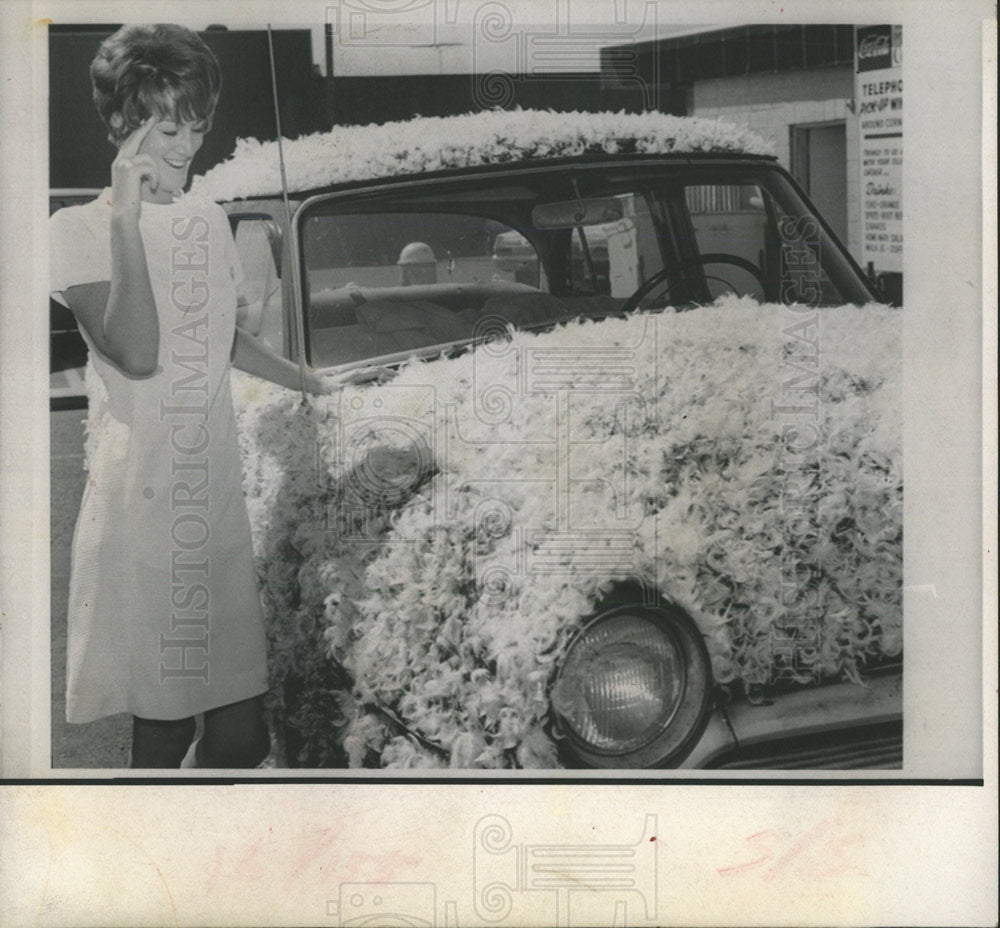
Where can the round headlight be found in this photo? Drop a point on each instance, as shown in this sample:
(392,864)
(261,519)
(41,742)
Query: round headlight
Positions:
(633,689)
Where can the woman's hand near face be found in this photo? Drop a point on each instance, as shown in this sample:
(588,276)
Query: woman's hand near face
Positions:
(129,170)
(130,323)
(120,314)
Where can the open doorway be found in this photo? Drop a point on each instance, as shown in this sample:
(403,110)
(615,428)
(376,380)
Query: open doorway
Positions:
(819,164)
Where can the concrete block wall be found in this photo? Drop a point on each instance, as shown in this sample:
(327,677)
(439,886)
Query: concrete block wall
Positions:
(771,103)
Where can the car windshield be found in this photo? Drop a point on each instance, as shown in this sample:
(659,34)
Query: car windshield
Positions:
(426,264)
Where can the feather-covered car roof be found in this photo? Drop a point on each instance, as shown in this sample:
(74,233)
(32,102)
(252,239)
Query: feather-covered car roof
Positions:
(357,153)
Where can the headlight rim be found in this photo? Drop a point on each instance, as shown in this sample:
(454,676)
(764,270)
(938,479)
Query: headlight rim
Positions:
(677,738)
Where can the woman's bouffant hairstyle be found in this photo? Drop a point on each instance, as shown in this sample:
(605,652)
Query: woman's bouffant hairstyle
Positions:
(161,70)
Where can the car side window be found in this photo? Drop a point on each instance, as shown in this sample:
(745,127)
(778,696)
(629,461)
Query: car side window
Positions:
(614,258)
(731,219)
(380,283)
(403,249)
(771,254)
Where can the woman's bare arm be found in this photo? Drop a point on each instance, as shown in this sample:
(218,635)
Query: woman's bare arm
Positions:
(250,356)
(120,315)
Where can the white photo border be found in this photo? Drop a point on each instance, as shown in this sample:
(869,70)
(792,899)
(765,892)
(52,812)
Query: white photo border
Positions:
(919,851)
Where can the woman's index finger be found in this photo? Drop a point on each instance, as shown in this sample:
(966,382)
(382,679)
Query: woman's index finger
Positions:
(131,145)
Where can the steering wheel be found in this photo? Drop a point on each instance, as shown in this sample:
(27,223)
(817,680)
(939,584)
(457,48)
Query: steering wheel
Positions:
(650,285)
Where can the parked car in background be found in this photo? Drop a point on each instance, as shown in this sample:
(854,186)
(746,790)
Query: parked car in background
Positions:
(614,476)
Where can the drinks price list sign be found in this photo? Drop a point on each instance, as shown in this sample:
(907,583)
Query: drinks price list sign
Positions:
(879,106)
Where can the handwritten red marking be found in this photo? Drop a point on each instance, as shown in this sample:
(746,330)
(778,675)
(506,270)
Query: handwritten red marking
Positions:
(310,854)
(213,877)
(809,839)
(819,852)
(288,858)
(756,862)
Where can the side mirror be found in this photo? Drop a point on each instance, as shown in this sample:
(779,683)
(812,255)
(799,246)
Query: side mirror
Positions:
(258,239)
(271,228)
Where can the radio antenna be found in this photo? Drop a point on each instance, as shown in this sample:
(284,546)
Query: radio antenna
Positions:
(300,331)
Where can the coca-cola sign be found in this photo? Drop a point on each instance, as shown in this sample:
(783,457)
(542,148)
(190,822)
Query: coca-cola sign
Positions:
(875,48)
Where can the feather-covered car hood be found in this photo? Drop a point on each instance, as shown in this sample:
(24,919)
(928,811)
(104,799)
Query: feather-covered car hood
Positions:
(444,534)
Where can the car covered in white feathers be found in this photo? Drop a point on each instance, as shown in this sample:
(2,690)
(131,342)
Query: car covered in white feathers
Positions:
(613,477)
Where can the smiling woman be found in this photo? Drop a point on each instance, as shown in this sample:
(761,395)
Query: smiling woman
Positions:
(164,70)
(171,145)
(164,617)
(162,74)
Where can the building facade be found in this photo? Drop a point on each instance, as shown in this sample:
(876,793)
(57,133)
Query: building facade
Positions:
(792,84)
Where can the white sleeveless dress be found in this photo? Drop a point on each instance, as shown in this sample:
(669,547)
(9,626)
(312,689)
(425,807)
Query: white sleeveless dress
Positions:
(165,617)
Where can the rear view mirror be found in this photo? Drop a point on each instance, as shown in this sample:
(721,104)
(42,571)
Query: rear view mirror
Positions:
(571,213)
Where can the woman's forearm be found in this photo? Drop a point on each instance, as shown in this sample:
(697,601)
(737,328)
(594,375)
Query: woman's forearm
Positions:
(130,330)
(251,357)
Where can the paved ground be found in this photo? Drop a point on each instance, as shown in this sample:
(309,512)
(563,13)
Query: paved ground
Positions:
(104,743)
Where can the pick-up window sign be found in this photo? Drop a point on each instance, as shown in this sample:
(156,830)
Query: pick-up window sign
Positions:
(879,109)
